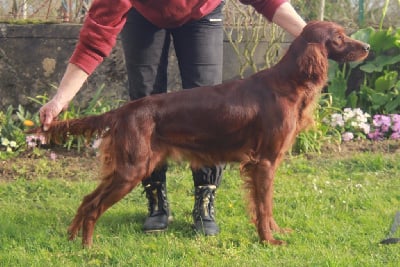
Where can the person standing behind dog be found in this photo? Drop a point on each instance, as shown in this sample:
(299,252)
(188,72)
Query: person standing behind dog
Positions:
(147,27)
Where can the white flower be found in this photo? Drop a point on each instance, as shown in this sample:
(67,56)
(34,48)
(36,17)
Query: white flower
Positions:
(354,124)
(365,127)
(348,113)
(4,141)
(13,144)
(337,120)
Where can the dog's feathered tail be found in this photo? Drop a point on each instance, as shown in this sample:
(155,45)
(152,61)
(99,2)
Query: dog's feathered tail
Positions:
(86,127)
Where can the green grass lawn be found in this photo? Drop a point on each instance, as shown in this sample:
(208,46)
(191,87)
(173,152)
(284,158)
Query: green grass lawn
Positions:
(339,207)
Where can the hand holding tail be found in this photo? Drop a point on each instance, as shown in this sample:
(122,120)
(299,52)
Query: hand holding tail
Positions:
(49,112)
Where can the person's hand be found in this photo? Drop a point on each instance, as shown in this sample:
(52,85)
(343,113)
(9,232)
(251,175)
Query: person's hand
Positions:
(49,111)
(70,84)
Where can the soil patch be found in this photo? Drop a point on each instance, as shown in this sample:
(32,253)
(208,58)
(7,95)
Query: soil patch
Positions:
(386,146)
(54,163)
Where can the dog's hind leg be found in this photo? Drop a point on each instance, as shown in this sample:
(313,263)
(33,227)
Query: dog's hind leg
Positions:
(112,189)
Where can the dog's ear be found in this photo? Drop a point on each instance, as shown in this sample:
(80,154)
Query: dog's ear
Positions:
(313,61)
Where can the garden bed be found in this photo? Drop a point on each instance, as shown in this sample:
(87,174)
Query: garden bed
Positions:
(71,164)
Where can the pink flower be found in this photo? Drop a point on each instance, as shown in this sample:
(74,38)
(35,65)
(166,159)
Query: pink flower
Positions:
(35,140)
(395,118)
(396,126)
(395,135)
(347,136)
(30,141)
(376,135)
(53,155)
(381,121)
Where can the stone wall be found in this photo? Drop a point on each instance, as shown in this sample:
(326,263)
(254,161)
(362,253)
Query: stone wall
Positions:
(33,59)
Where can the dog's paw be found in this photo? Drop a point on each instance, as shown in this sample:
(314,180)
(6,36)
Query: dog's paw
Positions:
(275,242)
(72,233)
(284,231)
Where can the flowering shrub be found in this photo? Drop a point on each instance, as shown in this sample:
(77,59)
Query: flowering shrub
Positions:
(8,145)
(11,133)
(385,126)
(356,124)
(352,123)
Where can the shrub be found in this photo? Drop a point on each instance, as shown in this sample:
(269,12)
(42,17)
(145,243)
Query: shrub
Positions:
(12,129)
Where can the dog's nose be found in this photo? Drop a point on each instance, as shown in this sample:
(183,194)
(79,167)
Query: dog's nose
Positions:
(366,47)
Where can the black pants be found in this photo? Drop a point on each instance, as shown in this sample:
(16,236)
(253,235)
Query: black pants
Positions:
(199,50)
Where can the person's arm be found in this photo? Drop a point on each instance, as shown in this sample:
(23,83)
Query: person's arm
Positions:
(103,23)
(70,84)
(281,12)
(97,37)
(286,17)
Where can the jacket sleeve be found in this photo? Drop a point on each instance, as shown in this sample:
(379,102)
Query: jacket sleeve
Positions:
(265,7)
(99,32)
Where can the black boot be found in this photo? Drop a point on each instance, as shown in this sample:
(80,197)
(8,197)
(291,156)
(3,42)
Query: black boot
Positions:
(157,220)
(203,211)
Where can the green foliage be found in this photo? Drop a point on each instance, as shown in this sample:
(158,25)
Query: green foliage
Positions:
(12,130)
(338,207)
(351,14)
(379,89)
(313,139)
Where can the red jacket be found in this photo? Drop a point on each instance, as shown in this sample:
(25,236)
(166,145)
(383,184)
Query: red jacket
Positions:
(106,19)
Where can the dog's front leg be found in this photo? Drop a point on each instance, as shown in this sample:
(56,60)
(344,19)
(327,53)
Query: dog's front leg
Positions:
(263,178)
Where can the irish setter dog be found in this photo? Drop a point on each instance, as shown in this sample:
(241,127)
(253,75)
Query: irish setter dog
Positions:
(253,121)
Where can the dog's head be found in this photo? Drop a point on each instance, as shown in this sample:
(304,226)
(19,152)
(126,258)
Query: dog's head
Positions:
(337,44)
(321,40)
